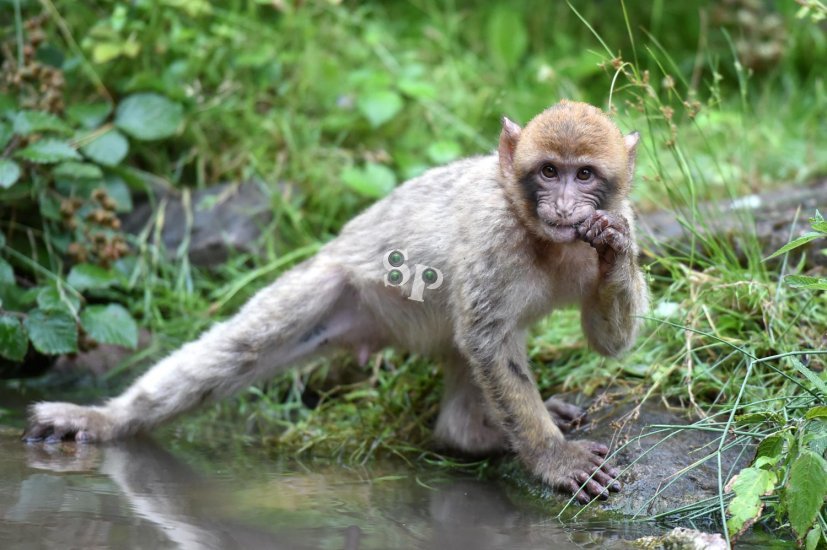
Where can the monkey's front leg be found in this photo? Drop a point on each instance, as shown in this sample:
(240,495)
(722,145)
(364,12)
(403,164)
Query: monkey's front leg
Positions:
(611,311)
(500,367)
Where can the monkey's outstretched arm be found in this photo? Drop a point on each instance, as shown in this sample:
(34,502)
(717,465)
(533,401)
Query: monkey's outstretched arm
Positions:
(496,352)
(611,313)
(299,315)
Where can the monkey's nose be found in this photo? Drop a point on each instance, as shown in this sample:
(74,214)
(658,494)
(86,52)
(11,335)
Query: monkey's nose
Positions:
(564,211)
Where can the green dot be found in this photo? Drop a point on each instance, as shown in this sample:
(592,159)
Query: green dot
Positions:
(396,258)
(395,276)
(429,276)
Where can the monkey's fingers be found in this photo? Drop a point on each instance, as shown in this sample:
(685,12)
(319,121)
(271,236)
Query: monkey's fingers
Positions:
(592,486)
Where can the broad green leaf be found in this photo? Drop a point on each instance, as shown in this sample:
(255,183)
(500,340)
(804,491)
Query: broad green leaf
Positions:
(109,149)
(110,324)
(52,332)
(816,412)
(771,446)
(802,240)
(50,299)
(48,151)
(805,491)
(813,538)
(6,273)
(86,276)
(77,171)
(30,122)
(9,173)
(746,507)
(117,190)
(14,342)
(443,152)
(817,382)
(149,116)
(379,106)
(374,180)
(417,88)
(806,282)
(91,115)
(507,37)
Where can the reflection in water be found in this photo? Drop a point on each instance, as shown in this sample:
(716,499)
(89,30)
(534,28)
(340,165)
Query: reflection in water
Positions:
(136,494)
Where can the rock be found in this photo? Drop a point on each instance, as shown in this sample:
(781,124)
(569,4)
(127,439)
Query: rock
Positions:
(224,217)
(683,539)
(653,458)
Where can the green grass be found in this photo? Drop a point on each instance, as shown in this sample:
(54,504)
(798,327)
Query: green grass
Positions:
(293,95)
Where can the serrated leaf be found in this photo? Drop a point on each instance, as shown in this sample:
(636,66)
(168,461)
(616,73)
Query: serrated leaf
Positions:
(745,509)
(30,122)
(806,282)
(379,106)
(800,241)
(771,446)
(50,299)
(443,152)
(149,116)
(77,171)
(110,324)
(374,180)
(9,173)
(109,149)
(805,491)
(90,115)
(816,412)
(47,151)
(507,36)
(52,332)
(14,342)
(88,276)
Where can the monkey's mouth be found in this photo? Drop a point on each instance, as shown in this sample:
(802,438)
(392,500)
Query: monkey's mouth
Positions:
(561,233)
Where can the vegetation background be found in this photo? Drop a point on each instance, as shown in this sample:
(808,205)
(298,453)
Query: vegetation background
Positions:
(328,105)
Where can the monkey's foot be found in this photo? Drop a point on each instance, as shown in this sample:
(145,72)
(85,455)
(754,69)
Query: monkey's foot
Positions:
(579,467)
(565,415)
(54,422)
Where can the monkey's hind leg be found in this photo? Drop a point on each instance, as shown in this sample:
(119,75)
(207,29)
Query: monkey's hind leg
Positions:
(308,311)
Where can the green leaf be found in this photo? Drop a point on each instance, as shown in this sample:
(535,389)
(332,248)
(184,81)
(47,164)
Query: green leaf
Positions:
(813,538)
(507,37)
(109,149)
(374,180)
(149,116)
(52,332)
(5,134)
(90,115)
(30,122)
(77,171)
(771,446)
(443,152)
(745,509)
(110,324)
(817,382)
(9,173)
(805,491)
(802,240)
(117,190)
(816,412)
(14,342)
(51,299)
(85,276)
(6,273)
(417,88)
(379,106)
(806,282)
(47,151)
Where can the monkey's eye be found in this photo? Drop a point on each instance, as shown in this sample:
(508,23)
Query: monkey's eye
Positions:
(549,171)
(584,174)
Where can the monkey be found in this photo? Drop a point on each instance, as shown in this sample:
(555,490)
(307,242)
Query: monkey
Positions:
(543,222)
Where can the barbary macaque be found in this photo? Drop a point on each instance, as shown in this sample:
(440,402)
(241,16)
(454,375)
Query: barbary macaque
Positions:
(455,264)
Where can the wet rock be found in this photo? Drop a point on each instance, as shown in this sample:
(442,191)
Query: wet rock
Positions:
(683,539)
(217,219)
(666,463)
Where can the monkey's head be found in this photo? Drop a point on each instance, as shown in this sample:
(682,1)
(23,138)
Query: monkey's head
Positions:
(567,162)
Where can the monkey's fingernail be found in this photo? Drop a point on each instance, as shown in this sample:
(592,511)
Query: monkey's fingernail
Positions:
(614,472)
(615,487)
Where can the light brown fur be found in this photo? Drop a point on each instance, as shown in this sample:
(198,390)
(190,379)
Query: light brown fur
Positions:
(512,247)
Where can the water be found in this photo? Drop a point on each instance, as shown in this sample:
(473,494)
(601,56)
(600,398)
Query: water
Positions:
(138,494)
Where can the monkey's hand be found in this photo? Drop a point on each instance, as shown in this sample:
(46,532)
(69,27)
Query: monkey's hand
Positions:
(608,233)
(575,464)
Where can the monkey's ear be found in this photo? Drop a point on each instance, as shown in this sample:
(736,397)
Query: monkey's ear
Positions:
(508,143)
(631,140)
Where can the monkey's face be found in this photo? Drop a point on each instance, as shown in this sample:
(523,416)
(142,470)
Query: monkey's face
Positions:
(568,161)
